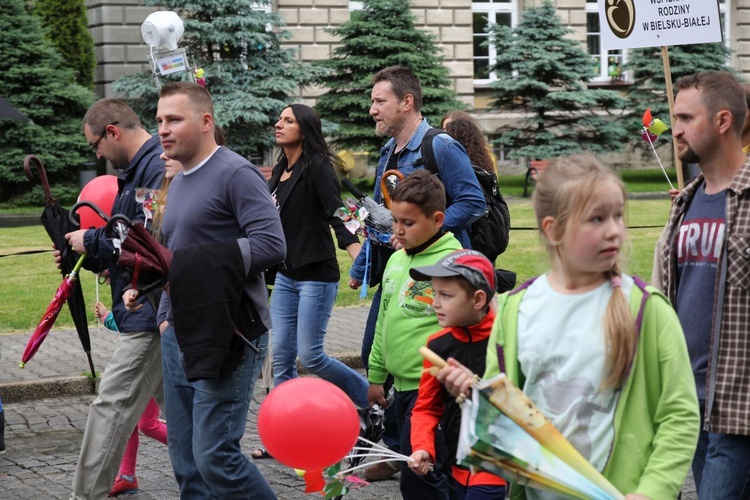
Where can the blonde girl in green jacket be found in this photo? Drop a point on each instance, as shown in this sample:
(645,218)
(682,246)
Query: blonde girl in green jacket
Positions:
(601,354)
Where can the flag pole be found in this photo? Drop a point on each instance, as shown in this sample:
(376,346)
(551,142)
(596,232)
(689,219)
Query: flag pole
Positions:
(670,97)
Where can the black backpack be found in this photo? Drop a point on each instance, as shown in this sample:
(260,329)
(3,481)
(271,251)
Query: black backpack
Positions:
(489,234)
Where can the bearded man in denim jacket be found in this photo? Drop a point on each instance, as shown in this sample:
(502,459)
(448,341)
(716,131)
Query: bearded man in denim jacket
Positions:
(396,109)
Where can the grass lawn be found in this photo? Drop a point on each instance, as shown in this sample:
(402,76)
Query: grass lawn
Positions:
(30,281)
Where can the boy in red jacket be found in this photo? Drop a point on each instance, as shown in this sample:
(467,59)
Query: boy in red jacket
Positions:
(463,283)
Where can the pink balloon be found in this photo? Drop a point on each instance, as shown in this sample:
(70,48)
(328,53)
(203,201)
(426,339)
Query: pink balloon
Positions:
(308,423)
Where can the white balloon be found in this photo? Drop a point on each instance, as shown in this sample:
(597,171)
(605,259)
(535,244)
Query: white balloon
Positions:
(162,29)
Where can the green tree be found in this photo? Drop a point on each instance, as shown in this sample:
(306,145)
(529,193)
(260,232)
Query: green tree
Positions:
(251,77)
(649,88)
(381,35)
(67,29)
(37,82)
(543,74)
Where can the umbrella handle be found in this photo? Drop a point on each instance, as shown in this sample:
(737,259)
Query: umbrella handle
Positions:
(384,185)
(42,174)
(73,215)
(109,229)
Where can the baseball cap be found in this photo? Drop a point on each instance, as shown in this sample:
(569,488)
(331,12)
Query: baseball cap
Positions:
(471,265)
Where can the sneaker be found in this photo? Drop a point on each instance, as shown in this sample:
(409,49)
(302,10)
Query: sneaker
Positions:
(380,471)
(124,485)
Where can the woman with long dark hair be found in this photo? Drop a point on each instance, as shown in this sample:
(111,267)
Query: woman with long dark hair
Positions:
(306,190)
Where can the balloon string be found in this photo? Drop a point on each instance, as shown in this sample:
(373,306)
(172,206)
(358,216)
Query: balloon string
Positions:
(382,451)
(651,143)
(98,322)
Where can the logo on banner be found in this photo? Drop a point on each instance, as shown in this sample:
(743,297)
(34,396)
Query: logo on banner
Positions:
(621,17)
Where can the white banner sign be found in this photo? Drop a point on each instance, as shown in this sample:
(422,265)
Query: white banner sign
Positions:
(630,24)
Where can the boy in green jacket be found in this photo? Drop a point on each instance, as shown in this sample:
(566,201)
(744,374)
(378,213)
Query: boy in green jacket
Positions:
(406,317)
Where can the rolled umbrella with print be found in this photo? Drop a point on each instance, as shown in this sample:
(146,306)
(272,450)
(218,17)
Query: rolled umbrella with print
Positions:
(504,433)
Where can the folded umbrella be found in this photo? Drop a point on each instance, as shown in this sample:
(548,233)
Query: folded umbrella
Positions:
(137,250)
(50,315)
(57,224)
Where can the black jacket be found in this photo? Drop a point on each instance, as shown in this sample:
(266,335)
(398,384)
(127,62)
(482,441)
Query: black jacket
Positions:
(208,304)
(306,209)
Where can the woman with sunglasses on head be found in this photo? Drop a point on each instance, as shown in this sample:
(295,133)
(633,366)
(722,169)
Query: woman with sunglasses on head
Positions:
(306,190)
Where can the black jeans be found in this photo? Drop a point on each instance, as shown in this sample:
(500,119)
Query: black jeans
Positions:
(434,485)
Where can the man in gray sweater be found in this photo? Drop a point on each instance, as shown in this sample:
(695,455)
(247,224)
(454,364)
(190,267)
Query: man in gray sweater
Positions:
(224,231)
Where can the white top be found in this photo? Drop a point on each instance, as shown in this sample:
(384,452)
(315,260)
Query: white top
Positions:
(562,351)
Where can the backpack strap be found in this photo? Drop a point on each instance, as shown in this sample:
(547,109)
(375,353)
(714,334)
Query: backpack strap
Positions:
(428,154)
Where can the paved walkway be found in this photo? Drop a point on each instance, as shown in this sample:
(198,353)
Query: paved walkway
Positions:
(56,369)
(46,405)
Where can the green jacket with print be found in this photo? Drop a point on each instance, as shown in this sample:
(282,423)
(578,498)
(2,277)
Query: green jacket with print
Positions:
(406,317)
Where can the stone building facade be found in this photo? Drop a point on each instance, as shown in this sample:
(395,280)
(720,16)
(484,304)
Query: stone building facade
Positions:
(457,24)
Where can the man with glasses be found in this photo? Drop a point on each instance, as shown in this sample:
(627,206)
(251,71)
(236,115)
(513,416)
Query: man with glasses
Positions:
(133,375)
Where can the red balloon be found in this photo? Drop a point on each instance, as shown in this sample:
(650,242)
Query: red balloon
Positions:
(308,423)
(101,191)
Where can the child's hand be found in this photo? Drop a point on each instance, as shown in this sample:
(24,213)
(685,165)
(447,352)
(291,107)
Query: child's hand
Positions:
(376,394)
(420,462)
(100,311)
(456,378)
(129,298)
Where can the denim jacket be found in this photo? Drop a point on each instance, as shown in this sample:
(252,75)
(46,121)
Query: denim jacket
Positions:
(454,169)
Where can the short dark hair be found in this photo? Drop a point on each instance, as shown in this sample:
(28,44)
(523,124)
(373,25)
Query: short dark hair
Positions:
(403,82)
(423,189)
(108,111)
(196,93)
(719,90)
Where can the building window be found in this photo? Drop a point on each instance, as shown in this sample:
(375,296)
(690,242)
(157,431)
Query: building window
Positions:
(725,24)
(485,13)
(606,65)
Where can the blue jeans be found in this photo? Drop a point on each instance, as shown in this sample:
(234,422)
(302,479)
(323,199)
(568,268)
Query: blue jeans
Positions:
(206,420)
(300,311)
(721,466)
(372,320)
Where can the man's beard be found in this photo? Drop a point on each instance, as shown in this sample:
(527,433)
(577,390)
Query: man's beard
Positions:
(381,129)
(689,156)
(119,161)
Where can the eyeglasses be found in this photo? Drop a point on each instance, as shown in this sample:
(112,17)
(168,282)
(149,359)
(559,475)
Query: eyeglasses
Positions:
(95,146)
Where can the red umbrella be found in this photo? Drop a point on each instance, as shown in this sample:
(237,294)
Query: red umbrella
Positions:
(50,315)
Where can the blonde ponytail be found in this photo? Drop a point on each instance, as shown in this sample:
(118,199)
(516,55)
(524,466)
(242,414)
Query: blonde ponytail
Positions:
(620,335)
